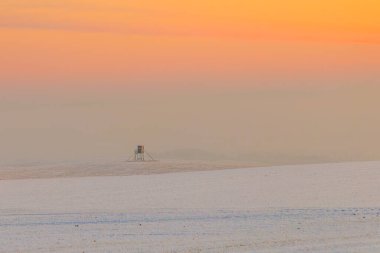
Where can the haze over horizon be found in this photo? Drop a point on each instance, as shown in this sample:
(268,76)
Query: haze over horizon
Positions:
(272,125)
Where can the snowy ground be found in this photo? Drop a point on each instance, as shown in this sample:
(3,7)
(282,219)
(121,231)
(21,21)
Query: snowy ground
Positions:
(308,208)
(113,168)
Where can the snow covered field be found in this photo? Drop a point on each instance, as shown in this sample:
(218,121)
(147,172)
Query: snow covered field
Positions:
(306,208)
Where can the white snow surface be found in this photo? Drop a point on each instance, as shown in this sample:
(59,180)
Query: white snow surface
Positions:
(303,208)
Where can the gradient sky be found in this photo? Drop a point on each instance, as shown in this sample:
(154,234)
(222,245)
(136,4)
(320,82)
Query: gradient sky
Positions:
(85,78)
(170,43)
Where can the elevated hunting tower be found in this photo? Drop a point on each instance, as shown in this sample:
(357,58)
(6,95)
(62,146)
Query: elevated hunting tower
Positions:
(139,155)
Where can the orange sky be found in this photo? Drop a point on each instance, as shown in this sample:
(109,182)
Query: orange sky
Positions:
(298,78)
(188,43)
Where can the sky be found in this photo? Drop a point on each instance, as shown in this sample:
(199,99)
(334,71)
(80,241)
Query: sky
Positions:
(159,71)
